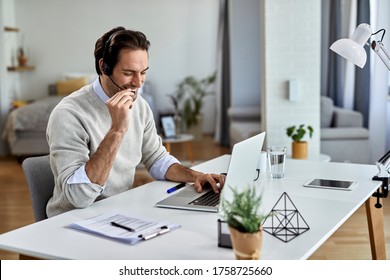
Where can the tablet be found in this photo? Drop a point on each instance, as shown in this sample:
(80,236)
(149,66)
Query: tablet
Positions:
(331,184)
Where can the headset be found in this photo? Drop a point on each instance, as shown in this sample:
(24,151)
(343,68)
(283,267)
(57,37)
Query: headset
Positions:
(106,68)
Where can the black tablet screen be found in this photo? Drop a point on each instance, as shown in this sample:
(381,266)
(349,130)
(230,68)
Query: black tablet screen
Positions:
(331,183)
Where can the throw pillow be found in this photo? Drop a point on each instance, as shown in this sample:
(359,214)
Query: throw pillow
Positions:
(69,86)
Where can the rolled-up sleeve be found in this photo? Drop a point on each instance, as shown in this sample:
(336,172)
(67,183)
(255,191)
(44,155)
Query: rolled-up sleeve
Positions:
(160,167)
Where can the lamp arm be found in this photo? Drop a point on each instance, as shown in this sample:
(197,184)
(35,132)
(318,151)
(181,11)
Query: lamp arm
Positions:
(378,47)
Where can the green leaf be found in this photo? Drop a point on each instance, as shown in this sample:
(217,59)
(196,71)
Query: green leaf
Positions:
(298,134)
(242,213)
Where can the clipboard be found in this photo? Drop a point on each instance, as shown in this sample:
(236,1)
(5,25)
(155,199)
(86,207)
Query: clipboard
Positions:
(124,227)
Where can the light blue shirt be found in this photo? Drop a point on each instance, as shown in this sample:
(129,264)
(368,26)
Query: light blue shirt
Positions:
(157,171)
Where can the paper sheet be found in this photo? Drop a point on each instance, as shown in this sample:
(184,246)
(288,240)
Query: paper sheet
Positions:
(144,228)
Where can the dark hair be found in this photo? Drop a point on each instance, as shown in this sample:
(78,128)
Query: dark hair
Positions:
(112,42)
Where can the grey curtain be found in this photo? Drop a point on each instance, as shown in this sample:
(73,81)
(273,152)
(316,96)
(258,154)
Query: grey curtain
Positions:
(222,134)
(362,75)
(335,75)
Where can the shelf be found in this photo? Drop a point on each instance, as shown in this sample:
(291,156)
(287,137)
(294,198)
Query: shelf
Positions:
(11,29)
(20,68)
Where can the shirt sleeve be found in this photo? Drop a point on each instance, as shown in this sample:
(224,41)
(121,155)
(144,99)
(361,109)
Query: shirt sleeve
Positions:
(80,177)
(160,167)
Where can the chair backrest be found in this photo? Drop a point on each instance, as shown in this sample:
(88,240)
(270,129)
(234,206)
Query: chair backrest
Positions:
(40,181)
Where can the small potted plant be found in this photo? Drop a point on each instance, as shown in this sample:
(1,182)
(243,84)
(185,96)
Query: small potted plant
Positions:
(189,98)
(297,133)
(244,221)
(22,58)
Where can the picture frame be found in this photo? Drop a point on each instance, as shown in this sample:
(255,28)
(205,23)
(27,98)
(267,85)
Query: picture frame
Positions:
(168,126)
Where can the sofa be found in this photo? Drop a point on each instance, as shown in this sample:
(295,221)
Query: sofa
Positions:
(244,122)
(342,137)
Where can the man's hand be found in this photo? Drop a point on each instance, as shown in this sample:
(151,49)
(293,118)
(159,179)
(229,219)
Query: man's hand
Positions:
(180,173)
(118,106)
(216,181)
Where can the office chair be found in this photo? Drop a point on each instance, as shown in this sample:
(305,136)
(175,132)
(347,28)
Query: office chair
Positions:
(40,181)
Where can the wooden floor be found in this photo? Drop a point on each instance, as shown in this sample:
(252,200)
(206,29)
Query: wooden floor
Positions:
(350,242)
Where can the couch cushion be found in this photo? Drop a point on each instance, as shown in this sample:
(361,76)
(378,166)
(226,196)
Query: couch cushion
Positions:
(326,111)
(250,113)
(240,131)
(337,133)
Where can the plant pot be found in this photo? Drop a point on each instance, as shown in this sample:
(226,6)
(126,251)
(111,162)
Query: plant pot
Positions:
(299,150)
(22,60)
(197,129)
(246,246)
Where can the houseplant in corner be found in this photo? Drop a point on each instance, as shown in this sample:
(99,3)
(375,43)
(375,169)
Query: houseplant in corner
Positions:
(189,97)
(299,147)
(242,215)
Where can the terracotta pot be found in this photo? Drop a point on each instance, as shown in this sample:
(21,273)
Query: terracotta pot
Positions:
(246,246)
(22,60)
(299,150)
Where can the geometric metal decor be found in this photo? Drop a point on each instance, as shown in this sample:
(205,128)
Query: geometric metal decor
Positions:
(284,221)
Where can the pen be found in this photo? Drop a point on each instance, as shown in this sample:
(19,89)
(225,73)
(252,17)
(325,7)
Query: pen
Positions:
(179,186)
(122,226)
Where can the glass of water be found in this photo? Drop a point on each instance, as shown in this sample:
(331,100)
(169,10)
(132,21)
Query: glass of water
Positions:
(277,161)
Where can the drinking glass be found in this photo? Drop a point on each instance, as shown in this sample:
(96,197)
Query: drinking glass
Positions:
(277,161)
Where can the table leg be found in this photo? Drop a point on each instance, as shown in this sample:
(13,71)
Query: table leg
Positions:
(189,152)
(376,229)
(168,147)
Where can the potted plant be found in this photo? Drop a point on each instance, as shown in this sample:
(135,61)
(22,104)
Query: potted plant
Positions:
(244,221)
(22,58)
(189,97)
(299,147)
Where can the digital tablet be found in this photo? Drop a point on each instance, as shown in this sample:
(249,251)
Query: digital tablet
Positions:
(331,184)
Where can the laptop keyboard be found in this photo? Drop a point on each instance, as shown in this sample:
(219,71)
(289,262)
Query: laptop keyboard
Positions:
(210,198)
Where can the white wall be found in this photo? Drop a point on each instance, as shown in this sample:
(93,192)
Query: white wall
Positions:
(60,36)
(292,51)
(9,82)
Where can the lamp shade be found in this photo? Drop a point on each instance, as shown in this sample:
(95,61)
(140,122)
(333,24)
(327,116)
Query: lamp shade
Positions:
(353,47)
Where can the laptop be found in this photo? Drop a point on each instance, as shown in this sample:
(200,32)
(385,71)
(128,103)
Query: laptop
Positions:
(243,170)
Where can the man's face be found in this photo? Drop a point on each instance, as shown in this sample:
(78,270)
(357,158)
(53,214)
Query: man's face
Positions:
(129,72)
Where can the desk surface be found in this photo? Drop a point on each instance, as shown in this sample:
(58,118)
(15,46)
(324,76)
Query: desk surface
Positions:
(324,211)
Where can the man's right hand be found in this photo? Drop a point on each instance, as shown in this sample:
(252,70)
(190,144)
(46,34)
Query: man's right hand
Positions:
(118,106)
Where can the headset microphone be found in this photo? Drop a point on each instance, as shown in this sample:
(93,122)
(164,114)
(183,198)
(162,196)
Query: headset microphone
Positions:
(109,76)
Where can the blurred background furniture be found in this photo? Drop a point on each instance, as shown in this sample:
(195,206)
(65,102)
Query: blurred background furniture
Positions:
(343,136)
(40,180)
(244,123)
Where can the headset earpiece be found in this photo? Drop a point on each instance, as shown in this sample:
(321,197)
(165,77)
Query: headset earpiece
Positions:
(106,69)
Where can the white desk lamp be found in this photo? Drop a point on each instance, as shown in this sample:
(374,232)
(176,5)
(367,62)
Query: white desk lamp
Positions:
(353,47)
(353,50)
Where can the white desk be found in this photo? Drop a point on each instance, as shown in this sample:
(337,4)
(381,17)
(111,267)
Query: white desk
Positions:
(323,210)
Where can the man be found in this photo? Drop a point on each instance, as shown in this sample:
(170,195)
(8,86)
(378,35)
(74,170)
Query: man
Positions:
(100,133)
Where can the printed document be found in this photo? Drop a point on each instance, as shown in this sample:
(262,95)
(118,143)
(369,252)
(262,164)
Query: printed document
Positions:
(124,227)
